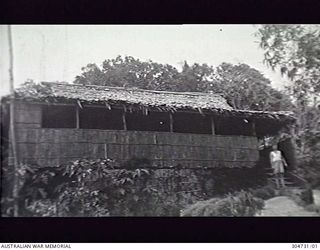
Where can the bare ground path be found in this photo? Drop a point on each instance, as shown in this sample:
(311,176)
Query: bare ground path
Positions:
(284,206)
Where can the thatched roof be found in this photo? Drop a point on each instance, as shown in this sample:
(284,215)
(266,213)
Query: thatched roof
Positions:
(94,93)
(202,102)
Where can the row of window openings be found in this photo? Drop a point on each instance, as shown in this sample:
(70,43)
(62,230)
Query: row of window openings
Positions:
(100,118)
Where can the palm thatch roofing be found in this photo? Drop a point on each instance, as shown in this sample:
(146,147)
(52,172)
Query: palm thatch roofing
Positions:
(129,97)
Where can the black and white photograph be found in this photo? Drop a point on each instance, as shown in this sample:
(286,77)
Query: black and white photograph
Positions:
(160,120)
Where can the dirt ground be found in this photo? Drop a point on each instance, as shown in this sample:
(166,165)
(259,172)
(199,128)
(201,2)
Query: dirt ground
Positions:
(284,206)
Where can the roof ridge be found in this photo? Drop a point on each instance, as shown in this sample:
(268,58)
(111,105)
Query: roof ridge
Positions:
(136,89)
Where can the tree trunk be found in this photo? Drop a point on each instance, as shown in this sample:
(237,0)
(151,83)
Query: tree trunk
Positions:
(15,188)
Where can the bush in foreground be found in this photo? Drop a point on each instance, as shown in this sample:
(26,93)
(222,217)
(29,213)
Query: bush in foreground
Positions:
(313,208)
(237,204)
(301,196)
(265,192)
(91,188)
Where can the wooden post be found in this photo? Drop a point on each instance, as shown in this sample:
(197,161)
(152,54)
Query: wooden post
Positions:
(77,117)
(124,121)
(254,133)
(15,189)
(171,121)
(105,151)
(155,138)
(213,129)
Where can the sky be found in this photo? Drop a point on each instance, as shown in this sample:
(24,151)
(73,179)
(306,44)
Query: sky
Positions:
(58,52)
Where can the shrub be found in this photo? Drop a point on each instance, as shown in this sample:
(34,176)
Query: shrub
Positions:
(307,196)
(238,204)
(136,162)
(102,187)
(313,208)
(94,188)
(98,188)
(265,193)
(302,197)
(43,208)
(71,190)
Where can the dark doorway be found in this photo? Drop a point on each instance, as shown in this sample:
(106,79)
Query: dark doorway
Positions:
(287,148)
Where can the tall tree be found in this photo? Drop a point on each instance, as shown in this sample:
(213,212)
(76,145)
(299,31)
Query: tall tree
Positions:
(91,75)
(294,50)
(130,72)
(246,88)
(195,78)
(243,86)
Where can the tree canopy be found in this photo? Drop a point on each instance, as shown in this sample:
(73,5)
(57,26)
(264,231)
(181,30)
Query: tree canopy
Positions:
(243,86)
(294,50)
(246,88)
(129,72)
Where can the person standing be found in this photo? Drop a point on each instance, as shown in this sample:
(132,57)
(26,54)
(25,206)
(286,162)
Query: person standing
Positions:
(278,164)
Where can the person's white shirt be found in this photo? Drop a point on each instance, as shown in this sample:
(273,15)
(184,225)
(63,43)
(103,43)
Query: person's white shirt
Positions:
(275,156)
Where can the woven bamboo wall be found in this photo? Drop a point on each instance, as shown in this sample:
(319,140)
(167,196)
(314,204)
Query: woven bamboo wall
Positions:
(50,147)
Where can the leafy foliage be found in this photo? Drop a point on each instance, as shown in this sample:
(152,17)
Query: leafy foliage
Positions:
(307,196)
(313,208)
(243,86)
(131,72)
(43,208)
(7,201)
(265,192)
(103,187)
(246,88)
(294,50)
(227,180)
(195,78)
(93,188)
(301,196)
(237,204)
